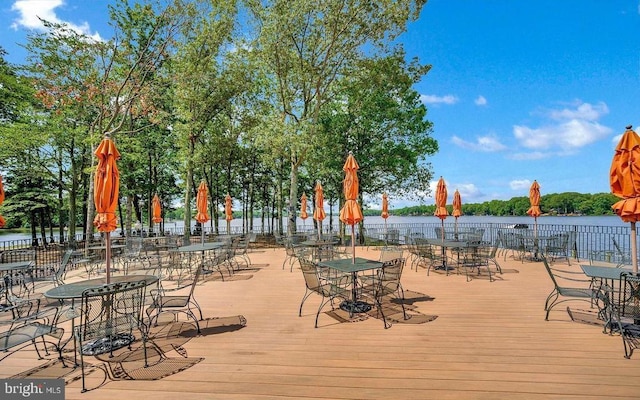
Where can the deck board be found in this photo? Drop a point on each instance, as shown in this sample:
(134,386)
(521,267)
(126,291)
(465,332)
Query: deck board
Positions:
(476,340)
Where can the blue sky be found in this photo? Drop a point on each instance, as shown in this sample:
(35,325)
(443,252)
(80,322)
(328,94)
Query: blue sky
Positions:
(518,90)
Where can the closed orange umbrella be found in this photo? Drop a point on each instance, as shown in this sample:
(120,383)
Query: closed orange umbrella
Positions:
(442,213)
(534,201)
(385,207)
(351,213)
(318,211)
(2,221)
(202,206)
(105,193)
(157,209)
(624,179)
(441,202)
(457,204)
(457,209)
(228,213)
(385,214)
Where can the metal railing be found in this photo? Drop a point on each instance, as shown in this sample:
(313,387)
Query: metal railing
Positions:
(591,242)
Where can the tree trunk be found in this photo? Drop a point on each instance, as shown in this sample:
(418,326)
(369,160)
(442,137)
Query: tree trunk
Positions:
(73,195)
(293,198)
(43,228)
(50,224)
(61,219)
(34,237)
(187,195)
(91,208)
(128,216)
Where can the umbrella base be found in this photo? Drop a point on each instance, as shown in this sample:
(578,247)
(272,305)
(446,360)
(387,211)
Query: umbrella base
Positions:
(107,344)
(443,268)
(355,307)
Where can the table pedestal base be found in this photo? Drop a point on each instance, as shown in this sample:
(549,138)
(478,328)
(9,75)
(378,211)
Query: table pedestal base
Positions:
(107,344)
(355,307)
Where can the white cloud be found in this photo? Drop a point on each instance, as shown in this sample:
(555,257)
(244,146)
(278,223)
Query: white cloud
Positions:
(480,101)
(467,191)
(488,143)
(572,128)
(433,99)
(520,184)
(31,11)
(534,155)
(568,135)
(583,111)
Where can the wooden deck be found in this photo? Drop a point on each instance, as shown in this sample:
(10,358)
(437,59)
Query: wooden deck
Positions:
(465,340)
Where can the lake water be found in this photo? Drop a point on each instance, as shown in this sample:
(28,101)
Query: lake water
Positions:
(236,224)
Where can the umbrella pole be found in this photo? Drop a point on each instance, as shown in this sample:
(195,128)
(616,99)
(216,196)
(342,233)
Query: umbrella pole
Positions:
(444,257)
(201,233)
(634,248)
(455,230)
(386,233)
(320,230)
(353,244)
(535,239)
(108,255)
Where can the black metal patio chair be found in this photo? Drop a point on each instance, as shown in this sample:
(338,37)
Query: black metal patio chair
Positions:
(110,317)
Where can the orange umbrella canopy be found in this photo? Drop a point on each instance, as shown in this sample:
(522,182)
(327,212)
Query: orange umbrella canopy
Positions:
(202,203)
(624,176)
(318,212)
(534,200)
(457,204)
(385,206)
(157,209)
(228,213)
(303,206)
(441,200)
(106,186)
(351,213)
(2,221)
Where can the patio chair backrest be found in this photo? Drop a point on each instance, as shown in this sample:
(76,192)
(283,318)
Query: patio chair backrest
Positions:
(310,274)
(390,253)
(110,309)
(109,314)
(621,257)
(628,302)
(61,271)
(390,274)
(626,311)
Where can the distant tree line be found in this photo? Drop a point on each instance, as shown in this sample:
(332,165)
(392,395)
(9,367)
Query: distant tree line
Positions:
(551,204)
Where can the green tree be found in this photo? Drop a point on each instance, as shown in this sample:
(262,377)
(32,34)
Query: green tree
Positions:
(101,86)
(306,46)
(205,85)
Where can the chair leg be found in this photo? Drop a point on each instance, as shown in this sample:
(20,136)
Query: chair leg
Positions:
(304,298)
